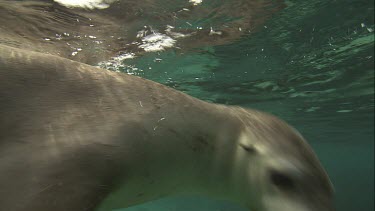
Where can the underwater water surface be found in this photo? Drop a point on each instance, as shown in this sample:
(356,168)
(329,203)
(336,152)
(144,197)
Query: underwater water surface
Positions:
(312,64)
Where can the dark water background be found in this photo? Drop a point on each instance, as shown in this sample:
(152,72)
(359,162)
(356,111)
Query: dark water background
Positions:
(311,64)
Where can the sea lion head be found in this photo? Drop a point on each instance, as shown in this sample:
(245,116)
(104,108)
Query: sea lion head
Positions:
(278,170)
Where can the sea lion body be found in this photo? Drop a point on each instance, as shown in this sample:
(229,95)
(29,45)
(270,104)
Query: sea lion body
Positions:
(76,137)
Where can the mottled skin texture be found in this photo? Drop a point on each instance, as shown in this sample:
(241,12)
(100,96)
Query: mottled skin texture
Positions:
(76,137)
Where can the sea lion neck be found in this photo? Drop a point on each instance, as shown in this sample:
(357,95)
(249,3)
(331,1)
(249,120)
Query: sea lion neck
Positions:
(187,159)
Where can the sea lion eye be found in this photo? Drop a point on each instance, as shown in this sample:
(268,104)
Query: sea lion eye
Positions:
(281,180)
(248,148)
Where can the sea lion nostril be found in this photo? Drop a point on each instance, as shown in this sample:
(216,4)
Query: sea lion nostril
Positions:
(281,180)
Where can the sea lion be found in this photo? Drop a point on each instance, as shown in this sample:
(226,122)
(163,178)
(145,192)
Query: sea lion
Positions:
(75,137)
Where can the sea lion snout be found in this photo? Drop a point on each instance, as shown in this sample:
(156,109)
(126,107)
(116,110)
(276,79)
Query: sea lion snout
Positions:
(294,191)
(282,171)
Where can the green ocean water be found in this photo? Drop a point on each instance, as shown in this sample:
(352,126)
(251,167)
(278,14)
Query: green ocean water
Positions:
(312,64)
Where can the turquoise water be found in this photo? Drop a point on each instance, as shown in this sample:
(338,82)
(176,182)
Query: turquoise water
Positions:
(312,64)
